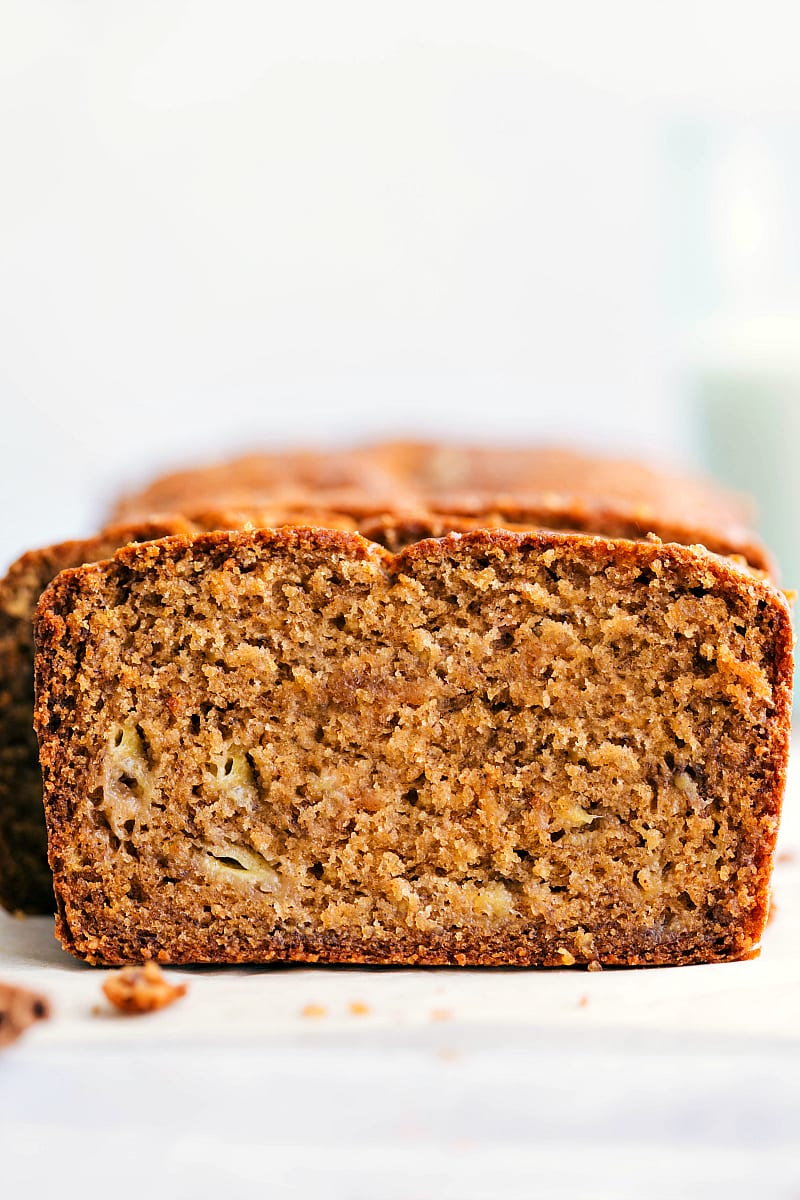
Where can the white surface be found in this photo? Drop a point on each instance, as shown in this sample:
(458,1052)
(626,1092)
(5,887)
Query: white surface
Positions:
(455,1083)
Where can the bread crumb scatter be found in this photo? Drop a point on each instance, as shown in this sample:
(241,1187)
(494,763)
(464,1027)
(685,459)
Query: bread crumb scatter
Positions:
(584,1000)
(19,1008)
(141,989)
(442,1014)
(357,1008)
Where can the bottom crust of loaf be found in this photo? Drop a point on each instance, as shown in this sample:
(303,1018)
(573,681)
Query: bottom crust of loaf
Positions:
(606,947)
(492,749)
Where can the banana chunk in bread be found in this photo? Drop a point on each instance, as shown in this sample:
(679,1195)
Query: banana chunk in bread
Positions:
(491,748)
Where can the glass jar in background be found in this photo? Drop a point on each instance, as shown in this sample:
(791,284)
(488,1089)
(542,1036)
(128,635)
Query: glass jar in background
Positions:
(733,287)
(746,409)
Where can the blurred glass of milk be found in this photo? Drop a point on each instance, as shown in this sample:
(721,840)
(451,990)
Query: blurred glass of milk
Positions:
(745,349)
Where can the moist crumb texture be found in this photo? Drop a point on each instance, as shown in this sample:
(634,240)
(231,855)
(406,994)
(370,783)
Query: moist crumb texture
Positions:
(488,749)
(394,493)
(26,883)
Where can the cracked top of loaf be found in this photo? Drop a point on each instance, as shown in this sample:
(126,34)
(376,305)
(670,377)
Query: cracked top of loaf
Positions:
(532,487)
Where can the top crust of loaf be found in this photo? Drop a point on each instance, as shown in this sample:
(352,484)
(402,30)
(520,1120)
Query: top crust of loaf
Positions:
(530,488)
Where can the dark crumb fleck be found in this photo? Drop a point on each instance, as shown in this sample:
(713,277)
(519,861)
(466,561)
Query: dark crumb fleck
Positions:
(141,989)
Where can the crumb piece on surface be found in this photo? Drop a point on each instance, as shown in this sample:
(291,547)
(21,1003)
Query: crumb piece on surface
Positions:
(786,857)
(584,1000)
(141,989)
(441,1014)
(358,1008)
(19,1008)
(314,1011)
(594,965)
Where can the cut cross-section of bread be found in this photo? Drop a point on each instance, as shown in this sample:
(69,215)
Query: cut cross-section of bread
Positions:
(492,748)
(25,878)
(25,881)
(26,884)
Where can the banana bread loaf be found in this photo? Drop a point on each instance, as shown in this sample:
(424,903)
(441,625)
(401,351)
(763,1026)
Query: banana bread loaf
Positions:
(491,748)
(591,494)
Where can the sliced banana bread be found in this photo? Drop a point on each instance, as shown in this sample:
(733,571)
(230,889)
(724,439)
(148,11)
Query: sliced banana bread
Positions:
(491,748)
(26,883)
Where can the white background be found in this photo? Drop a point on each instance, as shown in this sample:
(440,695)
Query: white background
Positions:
(232,224)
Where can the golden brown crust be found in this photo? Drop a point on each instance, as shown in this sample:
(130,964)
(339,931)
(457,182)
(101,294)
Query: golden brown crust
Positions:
(536,487)
(745,756)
